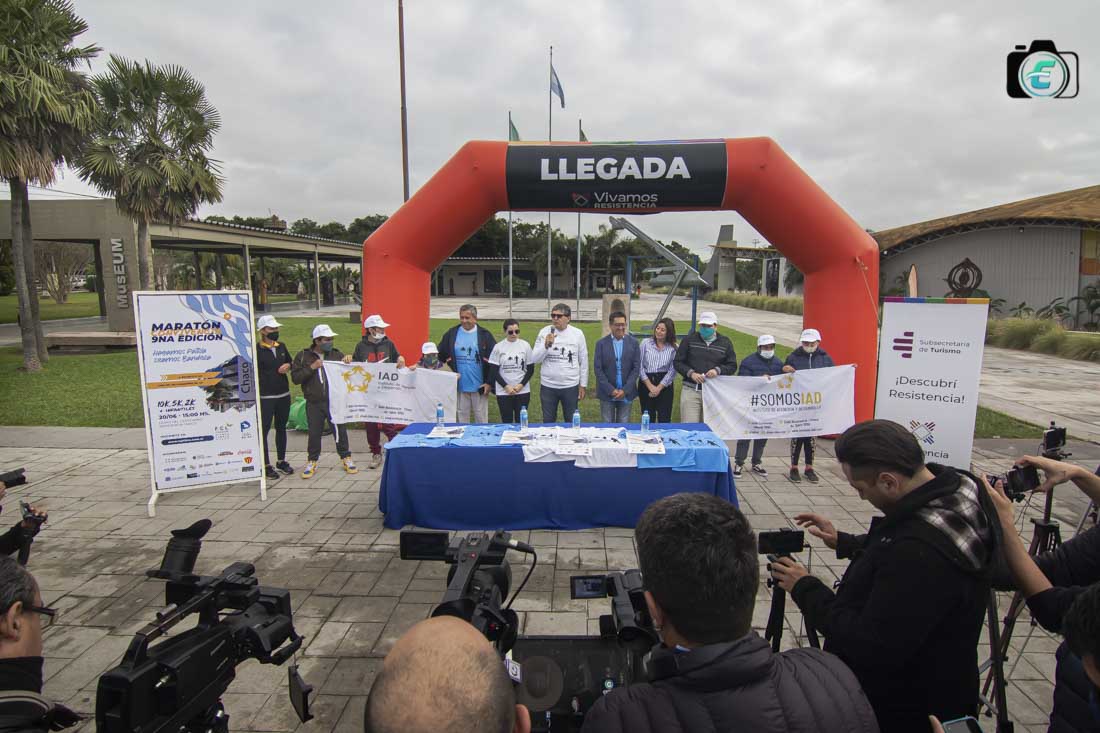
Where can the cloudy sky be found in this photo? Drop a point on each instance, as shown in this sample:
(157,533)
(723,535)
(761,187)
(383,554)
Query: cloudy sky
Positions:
(898,110)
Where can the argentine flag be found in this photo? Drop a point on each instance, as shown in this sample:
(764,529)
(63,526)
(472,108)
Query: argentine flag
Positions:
(555,86)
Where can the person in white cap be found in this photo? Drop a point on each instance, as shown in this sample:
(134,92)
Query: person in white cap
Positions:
(307,372)
(429,357)
(761,363)
(465,348)
(703,354)
(513,366)
(809,355)
(376,348)
(273,362)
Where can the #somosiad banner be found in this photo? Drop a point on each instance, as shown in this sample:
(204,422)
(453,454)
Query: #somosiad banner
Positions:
(362,392)
(198,372)
(802,404)
(929,368)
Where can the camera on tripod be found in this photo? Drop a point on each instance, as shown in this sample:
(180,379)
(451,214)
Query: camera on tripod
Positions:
(776,544)
(178,683)
(1054,440)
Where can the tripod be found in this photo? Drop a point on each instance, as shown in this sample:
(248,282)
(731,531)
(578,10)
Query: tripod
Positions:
(774,630)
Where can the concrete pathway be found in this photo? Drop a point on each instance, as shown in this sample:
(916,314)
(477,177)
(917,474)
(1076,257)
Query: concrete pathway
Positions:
(352,595)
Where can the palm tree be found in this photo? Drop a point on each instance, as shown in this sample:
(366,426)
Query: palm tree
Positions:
(150,146)
(46,113)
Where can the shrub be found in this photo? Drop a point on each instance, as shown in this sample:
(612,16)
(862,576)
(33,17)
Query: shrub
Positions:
(759,302)
(1043,336)
(1082,346)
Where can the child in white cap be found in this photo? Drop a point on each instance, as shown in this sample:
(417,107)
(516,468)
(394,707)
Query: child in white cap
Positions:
(809,355)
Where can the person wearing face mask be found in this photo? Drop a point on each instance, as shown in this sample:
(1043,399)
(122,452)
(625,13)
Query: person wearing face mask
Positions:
(809,355)
(273,362)
(23,616)
(712,672)
(761,363)
(429,357)
(376,348)
(702,355)
(307,372)
(512,368)
(465,348)
(908,613)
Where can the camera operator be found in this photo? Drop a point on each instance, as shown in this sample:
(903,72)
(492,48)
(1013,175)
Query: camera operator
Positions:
(25,529)
(699,562)
(443,676)
(1051,582)
(908,613)
(22,707)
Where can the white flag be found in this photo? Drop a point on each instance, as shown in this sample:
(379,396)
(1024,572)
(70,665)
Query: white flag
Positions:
(805,403)
(362,392)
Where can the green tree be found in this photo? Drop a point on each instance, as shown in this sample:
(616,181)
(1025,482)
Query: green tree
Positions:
(364,226)
(150,148)
(46,113)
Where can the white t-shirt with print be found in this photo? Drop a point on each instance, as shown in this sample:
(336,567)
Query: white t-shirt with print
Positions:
(512,358)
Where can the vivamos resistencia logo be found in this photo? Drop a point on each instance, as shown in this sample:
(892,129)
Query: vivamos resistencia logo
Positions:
(923,431)
(1041,71)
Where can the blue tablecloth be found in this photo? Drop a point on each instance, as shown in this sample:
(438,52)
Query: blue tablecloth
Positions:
(475,483)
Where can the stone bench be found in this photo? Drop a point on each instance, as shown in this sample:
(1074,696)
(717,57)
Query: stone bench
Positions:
(91,340)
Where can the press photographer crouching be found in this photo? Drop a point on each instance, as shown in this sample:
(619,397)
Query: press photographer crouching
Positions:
(698,558)
(908,613)
(1052,583)
(22,707)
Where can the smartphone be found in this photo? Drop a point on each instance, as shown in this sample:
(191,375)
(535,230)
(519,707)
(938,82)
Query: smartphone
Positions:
(1021,479)
(962,725)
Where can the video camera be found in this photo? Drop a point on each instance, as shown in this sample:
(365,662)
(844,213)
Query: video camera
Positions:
(775,544)
(558,678)
(177,684)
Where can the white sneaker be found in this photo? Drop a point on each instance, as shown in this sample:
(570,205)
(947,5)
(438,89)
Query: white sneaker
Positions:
(375,460)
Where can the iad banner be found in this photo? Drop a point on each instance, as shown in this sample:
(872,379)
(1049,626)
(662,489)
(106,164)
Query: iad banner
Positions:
(385,393)
(929,367)
(197,358)
(803,404)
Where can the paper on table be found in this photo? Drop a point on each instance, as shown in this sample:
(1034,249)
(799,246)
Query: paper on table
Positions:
(645,443)
(572,442)
(453,431)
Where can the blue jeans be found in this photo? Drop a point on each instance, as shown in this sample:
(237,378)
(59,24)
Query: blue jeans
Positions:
(551,398)
(615,412)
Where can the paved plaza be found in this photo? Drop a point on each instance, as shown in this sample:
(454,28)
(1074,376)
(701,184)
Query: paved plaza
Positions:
(353,596)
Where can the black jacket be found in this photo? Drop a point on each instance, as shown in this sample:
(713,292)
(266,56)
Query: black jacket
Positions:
(802,359)
(22,707)
(908,613)
(485,344)
(740,686)
(314,387)
(384,351)
(696,355)
(269,360)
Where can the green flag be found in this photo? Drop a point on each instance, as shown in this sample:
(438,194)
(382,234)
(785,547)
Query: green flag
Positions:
(513,133)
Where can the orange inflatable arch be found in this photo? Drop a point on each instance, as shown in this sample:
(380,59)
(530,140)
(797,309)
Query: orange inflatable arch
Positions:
(752,176)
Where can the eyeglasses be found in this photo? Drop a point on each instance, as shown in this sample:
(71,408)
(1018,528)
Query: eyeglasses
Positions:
(512,332)
(557,315)
(49,613)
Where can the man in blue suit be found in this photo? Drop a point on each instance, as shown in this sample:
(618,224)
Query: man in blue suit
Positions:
(618,359)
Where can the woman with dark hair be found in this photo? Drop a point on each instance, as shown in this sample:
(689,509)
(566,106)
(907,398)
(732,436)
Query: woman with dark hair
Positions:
(511,368)
(655,385)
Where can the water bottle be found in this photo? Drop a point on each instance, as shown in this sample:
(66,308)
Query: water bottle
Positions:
(645,421)
(439,414)
(577,419)
(523,419)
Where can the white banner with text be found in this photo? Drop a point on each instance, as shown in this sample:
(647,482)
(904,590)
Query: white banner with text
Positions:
(385,393)
(929,368)
(798,405)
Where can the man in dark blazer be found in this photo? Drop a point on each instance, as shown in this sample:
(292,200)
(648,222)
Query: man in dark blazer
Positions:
(618,359)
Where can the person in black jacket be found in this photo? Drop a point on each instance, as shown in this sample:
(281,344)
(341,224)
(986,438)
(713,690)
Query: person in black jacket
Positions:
(909,610)
(22,532)
(306,371)
(712,672)
(273,362)
(809,355)
(761,363)
(1052,583)
(23,617)
(376,348)
(465,348)
(1082,629)
(703,354)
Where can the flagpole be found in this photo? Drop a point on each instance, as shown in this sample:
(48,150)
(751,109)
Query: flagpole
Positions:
(580,132)
(549,137)
(511,280)
(404,124)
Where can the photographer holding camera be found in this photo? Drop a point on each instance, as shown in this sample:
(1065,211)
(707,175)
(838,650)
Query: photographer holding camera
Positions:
(23,616)
(908,613)
(698,557)
(22,532)
(456,679)
(1051,583)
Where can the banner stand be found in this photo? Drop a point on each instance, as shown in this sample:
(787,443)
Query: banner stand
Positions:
(199,390)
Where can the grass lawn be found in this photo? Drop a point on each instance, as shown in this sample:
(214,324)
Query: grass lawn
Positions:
(101,390)
(80,305)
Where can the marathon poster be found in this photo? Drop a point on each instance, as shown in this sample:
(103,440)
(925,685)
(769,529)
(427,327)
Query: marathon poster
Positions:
(930,367)
(196,353)
(616,177)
